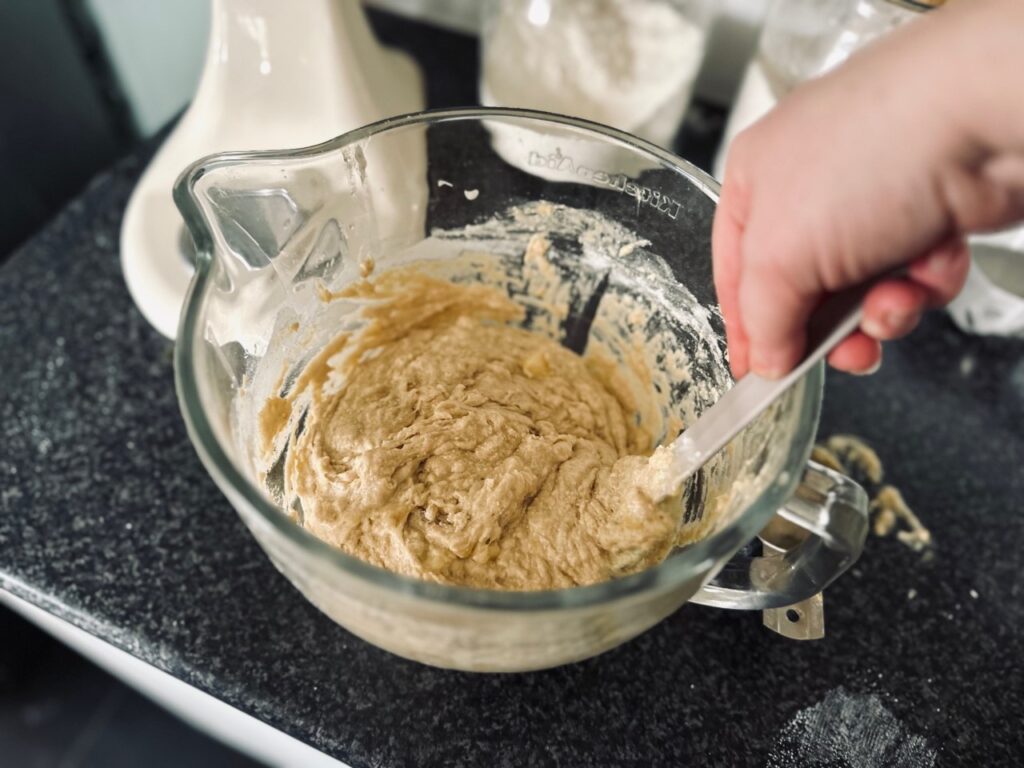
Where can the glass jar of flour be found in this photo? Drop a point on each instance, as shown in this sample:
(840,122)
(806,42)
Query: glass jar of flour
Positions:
(630,64)
(802,39)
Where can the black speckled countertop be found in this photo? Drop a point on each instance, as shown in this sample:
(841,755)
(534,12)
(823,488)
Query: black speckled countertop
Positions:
(108,520)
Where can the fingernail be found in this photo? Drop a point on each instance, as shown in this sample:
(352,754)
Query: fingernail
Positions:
(767,364)
(873,327)
(867,372)
(939,261)
(891,323)
(902,322)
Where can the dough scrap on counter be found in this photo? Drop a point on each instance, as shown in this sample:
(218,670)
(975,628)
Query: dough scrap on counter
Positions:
(889,511)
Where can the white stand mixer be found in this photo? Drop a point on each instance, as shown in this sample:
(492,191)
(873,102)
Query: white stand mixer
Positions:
(277,76)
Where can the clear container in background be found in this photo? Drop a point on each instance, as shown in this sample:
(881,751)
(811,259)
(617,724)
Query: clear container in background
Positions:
(630,64)
(802,39)
(992,300)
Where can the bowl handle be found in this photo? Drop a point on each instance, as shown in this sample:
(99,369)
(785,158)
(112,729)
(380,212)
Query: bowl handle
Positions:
(809,543)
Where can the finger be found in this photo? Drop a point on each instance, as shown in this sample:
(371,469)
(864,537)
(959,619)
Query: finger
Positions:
(893,308)
(774,314)
(942,272)
(726,236)
(858,353)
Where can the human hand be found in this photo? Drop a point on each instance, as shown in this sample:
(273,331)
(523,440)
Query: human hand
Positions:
(887,162)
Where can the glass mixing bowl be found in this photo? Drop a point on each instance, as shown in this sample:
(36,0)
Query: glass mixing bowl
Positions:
(277,231)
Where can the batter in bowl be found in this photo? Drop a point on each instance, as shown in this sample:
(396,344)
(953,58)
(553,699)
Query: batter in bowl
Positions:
(445,443)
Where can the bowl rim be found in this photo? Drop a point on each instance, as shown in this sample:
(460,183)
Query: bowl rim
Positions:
(699,559)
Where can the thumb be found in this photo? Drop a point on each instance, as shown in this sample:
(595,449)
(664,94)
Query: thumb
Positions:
(774,312)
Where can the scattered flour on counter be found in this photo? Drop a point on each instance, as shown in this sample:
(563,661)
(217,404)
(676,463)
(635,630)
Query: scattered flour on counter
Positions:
(849,730)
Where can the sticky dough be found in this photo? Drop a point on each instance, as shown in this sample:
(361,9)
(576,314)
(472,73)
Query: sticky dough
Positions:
(442,442)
